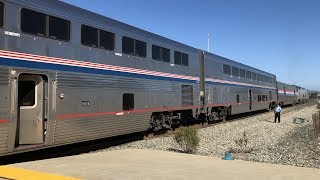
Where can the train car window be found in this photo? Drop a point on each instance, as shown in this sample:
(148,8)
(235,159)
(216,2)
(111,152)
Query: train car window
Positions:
(259,98)
(33,22)
(235,71)
(106,40)
(127,45)
(258,77)
(59,28)
(1,14)
(156,52)
(227,69)
(177,57)
(165,54)
(185,60)
(181,58)
(141,48)
(26,91)
(89,36)
(128,102)
(249,75)
(242,73)
(253,76)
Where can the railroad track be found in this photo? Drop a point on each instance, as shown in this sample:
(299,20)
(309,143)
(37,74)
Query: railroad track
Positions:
(96,145)
(238,117)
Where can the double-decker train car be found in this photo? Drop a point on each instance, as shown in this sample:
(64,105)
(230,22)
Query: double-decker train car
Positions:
(302,94)
(236,87)
(69,75)
(287,94)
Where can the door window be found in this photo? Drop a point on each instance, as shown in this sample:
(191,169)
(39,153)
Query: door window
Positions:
(26,93)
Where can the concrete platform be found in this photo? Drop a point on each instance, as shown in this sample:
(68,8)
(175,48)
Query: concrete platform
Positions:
(146,164)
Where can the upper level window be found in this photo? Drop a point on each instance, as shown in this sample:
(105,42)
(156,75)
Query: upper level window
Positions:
(141,48)
(33,22)
(258,77)
(106,40)
(265,78)
(134,47)
(160,53)
(249,75)
(242,73)
(97,38)
(253,76)
(1,14)
(181,58)
(226,69)
(235,71)
(59,28)
(36,23)
(89,36)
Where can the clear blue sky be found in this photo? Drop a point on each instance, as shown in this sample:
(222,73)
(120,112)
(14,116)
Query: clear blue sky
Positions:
(278,36)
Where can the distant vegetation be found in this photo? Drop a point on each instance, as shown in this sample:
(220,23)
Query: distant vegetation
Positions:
(313,95)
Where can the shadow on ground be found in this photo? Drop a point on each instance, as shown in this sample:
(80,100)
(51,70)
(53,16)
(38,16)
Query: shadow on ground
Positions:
(70,150)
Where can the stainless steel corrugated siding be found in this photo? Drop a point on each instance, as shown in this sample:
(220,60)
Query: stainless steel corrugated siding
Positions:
(74,80)
(4,133)
(81,129)
(4,78)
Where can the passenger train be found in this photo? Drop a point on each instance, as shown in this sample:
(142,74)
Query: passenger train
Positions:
(68,75)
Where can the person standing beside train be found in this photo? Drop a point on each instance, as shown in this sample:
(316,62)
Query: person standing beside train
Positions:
(277,113)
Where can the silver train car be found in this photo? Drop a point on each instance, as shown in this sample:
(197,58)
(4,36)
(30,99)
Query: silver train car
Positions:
(68,75)
(302,94)
(287,94)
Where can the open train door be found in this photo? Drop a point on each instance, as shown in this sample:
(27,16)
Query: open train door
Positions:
(31,107)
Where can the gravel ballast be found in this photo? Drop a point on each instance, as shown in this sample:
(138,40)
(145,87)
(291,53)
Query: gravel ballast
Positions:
(281,143)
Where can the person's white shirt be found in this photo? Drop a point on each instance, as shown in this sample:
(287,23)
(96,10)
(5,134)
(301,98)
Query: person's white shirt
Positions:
(278,109)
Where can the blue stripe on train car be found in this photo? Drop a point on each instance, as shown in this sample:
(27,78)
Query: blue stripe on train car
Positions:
(59,67)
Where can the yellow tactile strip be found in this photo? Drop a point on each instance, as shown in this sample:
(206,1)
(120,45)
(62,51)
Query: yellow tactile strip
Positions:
(23,174)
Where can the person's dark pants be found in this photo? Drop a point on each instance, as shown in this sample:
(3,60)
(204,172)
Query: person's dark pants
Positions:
(277,115)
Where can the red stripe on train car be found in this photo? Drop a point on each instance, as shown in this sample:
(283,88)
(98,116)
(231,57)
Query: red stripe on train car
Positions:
(4,121)
(67,116)
(122,112)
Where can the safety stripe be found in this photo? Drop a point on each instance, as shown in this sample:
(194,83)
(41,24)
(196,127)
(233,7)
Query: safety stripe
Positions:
(43,62)
(7,172)
(4,121)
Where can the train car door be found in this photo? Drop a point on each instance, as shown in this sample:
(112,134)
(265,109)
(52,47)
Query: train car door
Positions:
(30,129)
(250,99)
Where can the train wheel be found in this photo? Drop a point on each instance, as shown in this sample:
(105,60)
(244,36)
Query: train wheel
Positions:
(156,122)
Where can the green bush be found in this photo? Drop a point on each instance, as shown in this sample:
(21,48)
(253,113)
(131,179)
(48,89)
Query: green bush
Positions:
(188,139)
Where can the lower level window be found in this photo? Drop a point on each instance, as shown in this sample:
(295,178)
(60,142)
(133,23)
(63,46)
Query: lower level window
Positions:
(128,102)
